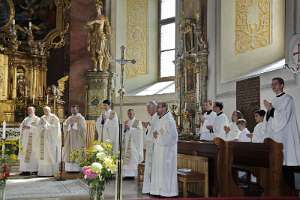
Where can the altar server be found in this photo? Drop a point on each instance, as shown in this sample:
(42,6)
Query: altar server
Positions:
(207,119)
(164,163)
(133,144)
(50,144)
(220,122)
(244,135)
(74,138)
(29,143)
(260,128)
(232,131)
(150,127)
(107,126)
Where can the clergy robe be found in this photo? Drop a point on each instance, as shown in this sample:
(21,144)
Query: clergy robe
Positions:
(29,143)
(108,128)
(164,163)
(281,126)
(243,136)
(218,126)
(259,133)
(209,118)
(133,147)
(74,139)
(233,134)
(149,145)
(50,145)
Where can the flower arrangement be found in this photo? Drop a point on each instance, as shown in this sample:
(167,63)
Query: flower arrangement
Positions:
(98,166)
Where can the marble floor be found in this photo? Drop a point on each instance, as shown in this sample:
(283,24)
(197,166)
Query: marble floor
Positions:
(49,189)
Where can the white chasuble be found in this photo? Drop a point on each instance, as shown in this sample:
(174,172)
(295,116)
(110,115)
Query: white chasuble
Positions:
(133,147)
(281,126)
(259,133)
(50,145)
(209,119)
(149,145)
(107,126)
(218,126)
(74,139)
(29,144)
(164,163)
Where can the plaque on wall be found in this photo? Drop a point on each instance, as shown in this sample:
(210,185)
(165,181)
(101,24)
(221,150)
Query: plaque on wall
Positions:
(248,99)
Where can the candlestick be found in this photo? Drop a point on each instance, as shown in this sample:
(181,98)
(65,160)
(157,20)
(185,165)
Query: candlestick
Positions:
(4,130)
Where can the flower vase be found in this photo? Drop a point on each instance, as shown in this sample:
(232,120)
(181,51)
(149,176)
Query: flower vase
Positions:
(96,193)
(2,189)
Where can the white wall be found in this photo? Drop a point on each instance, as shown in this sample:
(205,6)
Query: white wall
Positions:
(226,91)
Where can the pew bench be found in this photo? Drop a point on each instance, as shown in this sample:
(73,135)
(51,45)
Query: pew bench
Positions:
(190,178)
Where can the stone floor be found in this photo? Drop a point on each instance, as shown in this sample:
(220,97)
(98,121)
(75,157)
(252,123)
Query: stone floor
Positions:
(34,188)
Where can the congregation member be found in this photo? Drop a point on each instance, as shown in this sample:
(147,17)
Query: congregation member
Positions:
(245,135)
(133,144)
(282,126)
(220,122)
(50,144)
(107,126)
(164,164)
(74,129)
(150,127)
(232,131)
(260,128)
(207,119)
(29,143)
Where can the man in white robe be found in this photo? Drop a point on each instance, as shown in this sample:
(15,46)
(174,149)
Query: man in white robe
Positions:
(207,119)
(150,127)
(74,138)
(50,144)
(107,126)
(164,164)
(282,126)
(221,121)
(29,143)
(133,144)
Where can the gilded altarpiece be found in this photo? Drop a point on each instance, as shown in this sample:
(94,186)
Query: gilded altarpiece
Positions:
(137,37)
(253,24)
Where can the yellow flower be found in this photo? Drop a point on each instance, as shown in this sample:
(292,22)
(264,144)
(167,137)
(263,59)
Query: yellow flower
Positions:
(13,157)
(108,162)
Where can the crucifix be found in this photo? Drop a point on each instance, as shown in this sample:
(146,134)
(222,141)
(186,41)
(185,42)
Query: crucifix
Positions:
(122,62)
(297,53)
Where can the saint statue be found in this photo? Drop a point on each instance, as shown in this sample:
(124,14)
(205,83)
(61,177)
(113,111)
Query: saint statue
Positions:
(98,39)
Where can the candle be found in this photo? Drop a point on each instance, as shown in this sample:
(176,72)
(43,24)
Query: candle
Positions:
(4,130)
(14,22)
(33,99)
(29,25)
(184,106)
(47,99)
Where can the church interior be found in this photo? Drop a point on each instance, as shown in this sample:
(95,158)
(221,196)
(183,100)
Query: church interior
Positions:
(112,60)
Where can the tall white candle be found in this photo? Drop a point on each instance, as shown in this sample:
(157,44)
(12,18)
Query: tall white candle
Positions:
(4,130)
(33,98)
(14,22)
(184,106)
(47,99)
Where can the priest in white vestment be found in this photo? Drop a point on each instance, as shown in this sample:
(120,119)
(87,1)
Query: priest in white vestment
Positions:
(133,144)
(29,143)
(232,130)
(150,127)
(164,163)
(260,127)
(50,144)
(221,121)
(207,119)
(107,126)
(74,138)
(282,126)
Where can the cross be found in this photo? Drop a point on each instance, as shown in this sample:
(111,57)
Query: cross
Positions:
(297,53)
(122,62)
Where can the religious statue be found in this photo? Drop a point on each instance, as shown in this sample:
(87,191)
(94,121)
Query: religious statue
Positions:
(201,43)
(186,125)
(13,38)
(98,39)
(21,89)
(187,29)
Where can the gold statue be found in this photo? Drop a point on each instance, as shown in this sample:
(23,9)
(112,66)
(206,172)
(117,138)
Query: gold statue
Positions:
(98,39)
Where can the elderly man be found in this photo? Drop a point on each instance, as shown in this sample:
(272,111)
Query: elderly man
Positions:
(133,148)
(29,143)
(75,136)
(50,146)
(149,143)
(164,164)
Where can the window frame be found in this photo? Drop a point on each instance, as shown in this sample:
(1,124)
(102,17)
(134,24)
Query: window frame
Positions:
(160,24)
